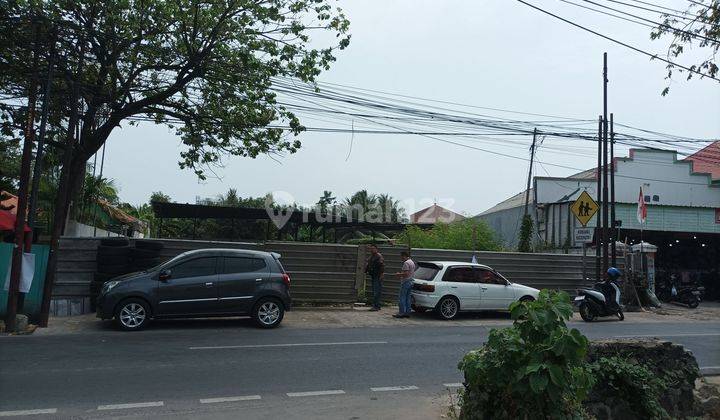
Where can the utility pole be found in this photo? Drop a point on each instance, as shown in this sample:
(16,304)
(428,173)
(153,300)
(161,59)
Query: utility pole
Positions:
(37,170)
(605,235)
(532,158)
(598,219)
(613,227)
(19,246)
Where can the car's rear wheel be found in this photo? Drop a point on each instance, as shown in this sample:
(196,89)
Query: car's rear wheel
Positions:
(527,299)
(268,313)
(132,314)
(448,308)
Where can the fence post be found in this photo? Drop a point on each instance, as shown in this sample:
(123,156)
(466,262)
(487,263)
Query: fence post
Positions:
(360,271)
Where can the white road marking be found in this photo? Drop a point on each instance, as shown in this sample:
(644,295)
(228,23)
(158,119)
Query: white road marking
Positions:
(259,346)
(453,385)
(131,405)
(393,388)
(661,335)
(315,393)
(28,412)
(229,399)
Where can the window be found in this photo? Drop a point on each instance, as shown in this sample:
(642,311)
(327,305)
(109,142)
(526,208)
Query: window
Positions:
(490,277)
(656,197)
(194,268)
(426,272)
(460,275)
(243,265)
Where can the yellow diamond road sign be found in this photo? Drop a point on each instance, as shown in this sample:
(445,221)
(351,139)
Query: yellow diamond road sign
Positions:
(584,208)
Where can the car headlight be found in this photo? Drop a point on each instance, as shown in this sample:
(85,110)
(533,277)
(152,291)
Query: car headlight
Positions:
(109,285)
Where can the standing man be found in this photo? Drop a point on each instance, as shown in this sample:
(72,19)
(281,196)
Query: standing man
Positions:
(406,282)
(375,268)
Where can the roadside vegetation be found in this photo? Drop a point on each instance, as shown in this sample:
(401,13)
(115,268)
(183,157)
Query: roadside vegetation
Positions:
(538,368)
(468,234)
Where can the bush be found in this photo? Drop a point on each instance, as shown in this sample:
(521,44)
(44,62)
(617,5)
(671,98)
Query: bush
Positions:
(525,238)
(468,234)
(621,381)
(534,369)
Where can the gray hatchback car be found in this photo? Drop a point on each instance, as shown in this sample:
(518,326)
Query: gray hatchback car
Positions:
(200,283)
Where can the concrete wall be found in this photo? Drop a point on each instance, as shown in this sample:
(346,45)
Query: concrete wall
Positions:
(320,273)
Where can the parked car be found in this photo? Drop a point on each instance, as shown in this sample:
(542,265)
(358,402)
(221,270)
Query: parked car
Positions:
(200,283)
(451,287)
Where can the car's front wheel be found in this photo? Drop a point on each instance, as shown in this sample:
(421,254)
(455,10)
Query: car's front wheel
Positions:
(132,314)
(448,307)
(268,313)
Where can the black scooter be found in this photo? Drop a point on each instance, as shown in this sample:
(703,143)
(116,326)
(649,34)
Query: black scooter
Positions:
(602,300)
(687,295)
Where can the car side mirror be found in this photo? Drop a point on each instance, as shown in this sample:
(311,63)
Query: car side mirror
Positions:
(165,275)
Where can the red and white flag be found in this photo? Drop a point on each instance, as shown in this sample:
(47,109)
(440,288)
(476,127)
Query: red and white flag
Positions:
(641,208)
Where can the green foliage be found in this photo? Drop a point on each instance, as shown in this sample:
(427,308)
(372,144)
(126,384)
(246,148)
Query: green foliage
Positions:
(467,234)
(534,369)
(206,68)
(702,32)
(9,164)
(526,231)
(621,379)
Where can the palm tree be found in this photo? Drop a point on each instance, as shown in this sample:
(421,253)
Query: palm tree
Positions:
(326,200)
(390,209)
(359,205)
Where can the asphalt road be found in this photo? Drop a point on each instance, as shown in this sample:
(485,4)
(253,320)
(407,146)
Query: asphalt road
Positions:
(217,369)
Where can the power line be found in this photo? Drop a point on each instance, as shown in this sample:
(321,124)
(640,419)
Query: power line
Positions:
(652,56)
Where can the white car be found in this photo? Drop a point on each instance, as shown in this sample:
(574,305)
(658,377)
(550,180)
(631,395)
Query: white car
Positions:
(450,287)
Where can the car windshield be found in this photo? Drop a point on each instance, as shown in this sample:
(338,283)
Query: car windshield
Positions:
(426,271)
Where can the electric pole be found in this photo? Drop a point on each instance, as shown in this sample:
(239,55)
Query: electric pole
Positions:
(613,227)
(598,219)
(529,177)
(605,235)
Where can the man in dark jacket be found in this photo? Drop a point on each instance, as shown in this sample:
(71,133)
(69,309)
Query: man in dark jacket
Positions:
(375,268)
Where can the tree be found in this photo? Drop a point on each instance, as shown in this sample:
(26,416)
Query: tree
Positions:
(360,206)
(325,201)
(205,68)
(390,209)
(699,27)
(526,231)
(9,165)
(468,234)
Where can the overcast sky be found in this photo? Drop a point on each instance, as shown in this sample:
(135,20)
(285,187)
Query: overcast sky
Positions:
(494,53)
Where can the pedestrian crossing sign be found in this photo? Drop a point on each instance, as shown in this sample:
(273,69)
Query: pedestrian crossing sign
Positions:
(584,208)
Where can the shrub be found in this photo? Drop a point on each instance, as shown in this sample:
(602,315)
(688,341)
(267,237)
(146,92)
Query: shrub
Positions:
(534,369)
(467,234)
(526,231)
(620,380)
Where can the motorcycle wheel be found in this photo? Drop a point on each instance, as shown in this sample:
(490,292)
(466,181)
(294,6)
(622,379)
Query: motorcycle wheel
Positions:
(586,313)
(693,304)
(621,315)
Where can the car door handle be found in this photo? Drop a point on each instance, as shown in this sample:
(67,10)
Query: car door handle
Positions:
(208,284)
(453,287)
(484,288)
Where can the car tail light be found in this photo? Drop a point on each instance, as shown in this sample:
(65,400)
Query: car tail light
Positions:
(425,287)
(286,279)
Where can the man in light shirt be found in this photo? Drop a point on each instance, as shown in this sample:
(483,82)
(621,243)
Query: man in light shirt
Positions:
(406,282)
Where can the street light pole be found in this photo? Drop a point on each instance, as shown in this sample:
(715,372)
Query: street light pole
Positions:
(605,236)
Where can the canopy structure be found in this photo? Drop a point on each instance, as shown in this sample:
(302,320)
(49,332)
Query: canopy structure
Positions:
(285,219)
(7,222)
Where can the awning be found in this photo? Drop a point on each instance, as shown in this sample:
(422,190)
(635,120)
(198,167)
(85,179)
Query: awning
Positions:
(7,222)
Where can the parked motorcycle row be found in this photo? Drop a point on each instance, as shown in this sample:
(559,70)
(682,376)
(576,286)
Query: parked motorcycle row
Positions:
(672,291)
(603,300)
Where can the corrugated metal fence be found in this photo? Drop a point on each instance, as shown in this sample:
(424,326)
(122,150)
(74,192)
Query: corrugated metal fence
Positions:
(321,273)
